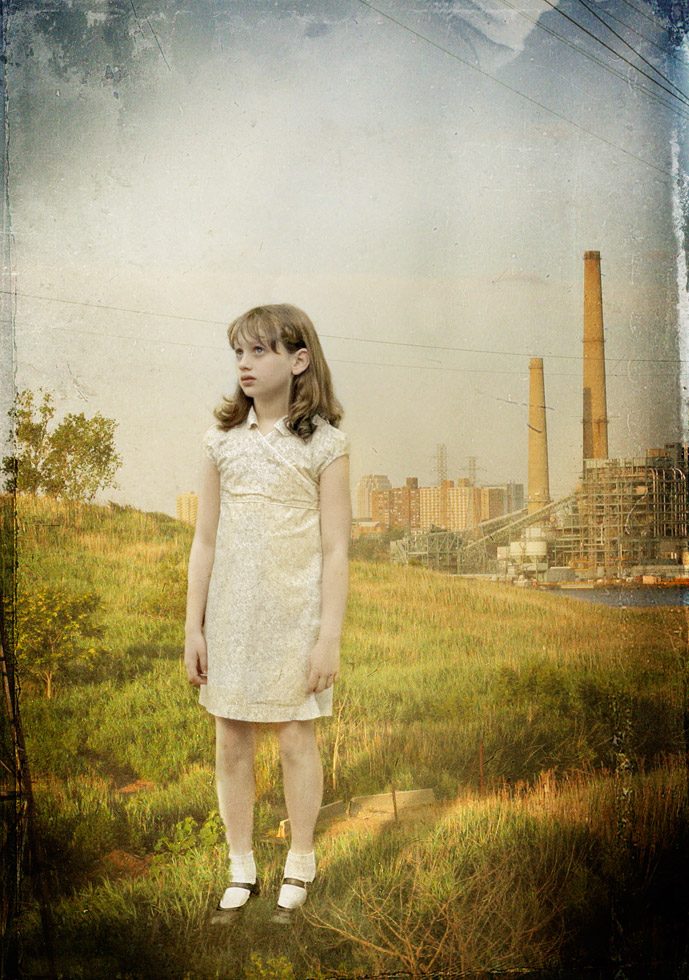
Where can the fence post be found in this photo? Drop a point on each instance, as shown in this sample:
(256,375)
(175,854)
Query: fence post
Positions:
(481,760)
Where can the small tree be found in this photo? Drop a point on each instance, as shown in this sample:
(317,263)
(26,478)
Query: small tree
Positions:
(53,632)
(31,428)
(75,460)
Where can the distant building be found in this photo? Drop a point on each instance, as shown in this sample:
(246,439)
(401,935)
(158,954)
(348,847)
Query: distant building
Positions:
(493,502)
(514,497)
(430,508)
(364,489)
(397,507)
(463,506)
(187,507)
(450,505)
(360,528)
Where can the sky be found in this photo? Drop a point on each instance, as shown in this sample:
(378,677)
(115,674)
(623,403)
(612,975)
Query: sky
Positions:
(422,178)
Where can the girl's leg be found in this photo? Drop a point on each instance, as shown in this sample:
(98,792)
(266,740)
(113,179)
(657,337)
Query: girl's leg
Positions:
(235,748)
(303,778)
(302,774)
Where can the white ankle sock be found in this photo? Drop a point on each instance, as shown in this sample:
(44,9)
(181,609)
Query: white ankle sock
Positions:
(303,867)
(242,868)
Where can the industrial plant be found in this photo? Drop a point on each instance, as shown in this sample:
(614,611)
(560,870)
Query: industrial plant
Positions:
(628,519)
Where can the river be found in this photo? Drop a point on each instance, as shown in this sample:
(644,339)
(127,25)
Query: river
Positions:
(642,595)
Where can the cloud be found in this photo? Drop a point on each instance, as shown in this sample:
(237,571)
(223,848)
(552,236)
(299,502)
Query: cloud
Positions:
(490,34)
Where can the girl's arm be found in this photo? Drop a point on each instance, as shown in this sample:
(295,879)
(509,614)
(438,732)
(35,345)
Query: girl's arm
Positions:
(336,526)
(200,566)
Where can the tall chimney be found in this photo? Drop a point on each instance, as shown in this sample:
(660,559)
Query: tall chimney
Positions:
(595,408)
(539,487)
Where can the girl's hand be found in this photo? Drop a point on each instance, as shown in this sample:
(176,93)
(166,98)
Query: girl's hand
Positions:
(325,665)
(196,658)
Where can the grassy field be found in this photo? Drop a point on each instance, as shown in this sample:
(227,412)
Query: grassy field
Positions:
(564,849)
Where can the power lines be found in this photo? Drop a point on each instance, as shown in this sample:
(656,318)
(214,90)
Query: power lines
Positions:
(592,57)
(523,95)
(684,99)
(650,19)
(522,372)
(633,30)
(361,340)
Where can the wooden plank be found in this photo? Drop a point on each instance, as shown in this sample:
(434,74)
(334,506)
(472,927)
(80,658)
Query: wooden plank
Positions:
(328,812)
(384,802)
(378,803)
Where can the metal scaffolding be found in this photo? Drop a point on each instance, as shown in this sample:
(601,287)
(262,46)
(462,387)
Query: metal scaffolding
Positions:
(472,550)
(627,512)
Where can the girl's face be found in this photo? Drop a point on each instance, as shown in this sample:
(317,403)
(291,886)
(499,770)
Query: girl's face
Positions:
(265,373)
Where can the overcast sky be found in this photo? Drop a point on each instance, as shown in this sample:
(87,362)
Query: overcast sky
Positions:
(422,178)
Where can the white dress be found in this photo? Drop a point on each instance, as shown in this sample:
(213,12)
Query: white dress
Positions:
(264,597)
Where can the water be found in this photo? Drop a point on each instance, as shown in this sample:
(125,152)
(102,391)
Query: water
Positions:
(676,595)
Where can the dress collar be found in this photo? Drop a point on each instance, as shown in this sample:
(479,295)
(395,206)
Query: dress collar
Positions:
(280,425)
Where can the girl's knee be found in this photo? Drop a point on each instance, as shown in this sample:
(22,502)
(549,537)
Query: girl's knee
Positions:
(296,738)
(234,740)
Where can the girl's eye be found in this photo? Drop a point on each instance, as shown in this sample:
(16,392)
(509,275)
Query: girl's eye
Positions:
(258,349)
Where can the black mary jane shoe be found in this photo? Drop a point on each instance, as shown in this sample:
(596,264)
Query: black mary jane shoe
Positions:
(221,914)
(285,915)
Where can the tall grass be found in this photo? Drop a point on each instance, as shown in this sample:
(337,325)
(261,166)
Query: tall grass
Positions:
(551,731)
(495,883)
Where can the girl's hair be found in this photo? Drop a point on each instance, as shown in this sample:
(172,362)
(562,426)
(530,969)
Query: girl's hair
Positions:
(311,392)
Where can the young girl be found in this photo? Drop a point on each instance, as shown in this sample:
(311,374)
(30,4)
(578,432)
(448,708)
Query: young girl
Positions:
(268,581)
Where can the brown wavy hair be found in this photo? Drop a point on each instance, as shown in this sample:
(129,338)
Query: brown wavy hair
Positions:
(311,392)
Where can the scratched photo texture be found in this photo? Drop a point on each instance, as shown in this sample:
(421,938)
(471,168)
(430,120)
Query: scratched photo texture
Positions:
(424,179)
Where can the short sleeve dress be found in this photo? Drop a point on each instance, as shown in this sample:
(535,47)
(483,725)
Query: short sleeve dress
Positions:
(264,596)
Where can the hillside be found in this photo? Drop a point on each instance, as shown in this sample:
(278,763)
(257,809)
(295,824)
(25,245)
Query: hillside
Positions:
(543,725)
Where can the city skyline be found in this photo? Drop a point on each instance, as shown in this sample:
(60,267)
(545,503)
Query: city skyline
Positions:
(450,504)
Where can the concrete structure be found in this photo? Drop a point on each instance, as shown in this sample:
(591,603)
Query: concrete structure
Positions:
(397,507)
(451,505)
(514,497)
(539,487)
(432,511)
(595,401)
(187,507)
(463,505)
(492,502)
(364,488)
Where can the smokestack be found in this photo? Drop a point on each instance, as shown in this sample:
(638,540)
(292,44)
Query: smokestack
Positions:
(595,407)
(539,487)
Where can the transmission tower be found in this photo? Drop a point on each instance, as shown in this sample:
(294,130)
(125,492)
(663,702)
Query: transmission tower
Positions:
(441,462)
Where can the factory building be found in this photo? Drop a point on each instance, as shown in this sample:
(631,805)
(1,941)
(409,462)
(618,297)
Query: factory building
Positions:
(627,514)
(628,517)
